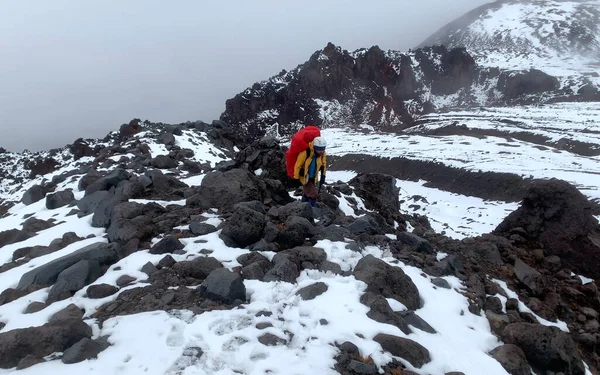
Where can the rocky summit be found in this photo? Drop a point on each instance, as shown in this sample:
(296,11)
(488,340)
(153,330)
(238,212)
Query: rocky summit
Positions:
(456,233)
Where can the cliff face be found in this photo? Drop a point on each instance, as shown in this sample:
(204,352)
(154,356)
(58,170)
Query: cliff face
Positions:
(375,87)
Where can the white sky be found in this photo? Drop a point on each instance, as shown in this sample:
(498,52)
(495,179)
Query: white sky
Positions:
(72,69)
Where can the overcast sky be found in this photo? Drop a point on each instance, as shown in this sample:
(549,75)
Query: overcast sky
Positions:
(72,69)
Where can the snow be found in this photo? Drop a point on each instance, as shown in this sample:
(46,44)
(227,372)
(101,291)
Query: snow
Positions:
(488,154)
(204,150)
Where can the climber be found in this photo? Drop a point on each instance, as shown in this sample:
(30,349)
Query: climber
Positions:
(307,168)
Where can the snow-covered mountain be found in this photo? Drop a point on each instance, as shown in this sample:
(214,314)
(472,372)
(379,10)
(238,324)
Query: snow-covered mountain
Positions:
(457,232)
(561,38)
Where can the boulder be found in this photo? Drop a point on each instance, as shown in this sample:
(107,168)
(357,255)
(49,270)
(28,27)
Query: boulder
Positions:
(312,291)
(111,180)
(59,199)
(379,192)
(389,281)
(33,194)
(73,279)
(167,245)
(546,348)
(40,341)
(46,274)
(407,349)
(512,358)
(556,214)
(531,278)
(101,291)
(245,226)
(223,285)
(83,349)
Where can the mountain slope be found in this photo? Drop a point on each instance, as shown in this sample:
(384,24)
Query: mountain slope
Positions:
(561,38)
(149,266)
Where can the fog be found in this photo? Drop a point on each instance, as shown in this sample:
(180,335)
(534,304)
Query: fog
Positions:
(71,69)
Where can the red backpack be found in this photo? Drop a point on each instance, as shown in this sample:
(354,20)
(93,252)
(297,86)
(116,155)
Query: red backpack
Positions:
(299,144)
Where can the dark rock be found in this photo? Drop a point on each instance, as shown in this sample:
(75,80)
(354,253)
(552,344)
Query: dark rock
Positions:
(557,215)
(380,311)
(167,245)
(34,307)
(125,280)
(411,318)
(109,181)
(201,229)
(149,269)
(128,130)
(167,139)
(40,341)
(270,339)
(379,192)
(104,213)
(296,208)
(256,270)
(371,223)
(167,262)
(512,304)
(284,270)
(33,194)
(512,358)
(101,291)
(546,348)
(59,199)
(407,349)
(441,283)
(74,278)
(295,232)
(223,285)
(198,268)
(332,267)
(493,304)
(28,361)
(82,350)
(312,291)
(514,84)
(389,281)
(163,162)
(498,322)
(530,277)
(91,202)
(253,205)
(104,254)
(71,312)
(414,242)
(359,367)
(245,226)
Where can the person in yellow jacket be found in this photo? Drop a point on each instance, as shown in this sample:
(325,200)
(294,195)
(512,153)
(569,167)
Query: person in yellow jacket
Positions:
(307,168)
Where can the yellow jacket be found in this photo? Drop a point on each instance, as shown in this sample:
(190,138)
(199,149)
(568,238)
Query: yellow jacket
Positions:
(303,163)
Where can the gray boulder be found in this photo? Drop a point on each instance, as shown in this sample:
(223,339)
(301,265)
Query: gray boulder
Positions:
(41,341)
(389,281)
(73,279)
(59,199)
(546,348)
(245,226)
(411,351)
(90,203)
(33,194)
(530,277)
(512,358)
(111,180)
(84,349)
(312,291)
(46,274)
(223,285)
(167,245)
